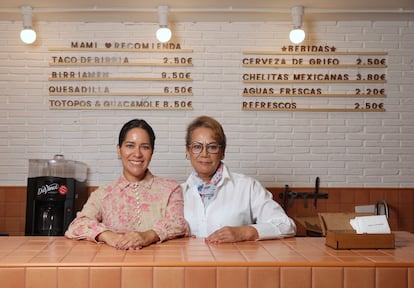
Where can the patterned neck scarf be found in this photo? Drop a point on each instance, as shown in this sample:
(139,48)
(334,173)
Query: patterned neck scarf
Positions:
(208,190)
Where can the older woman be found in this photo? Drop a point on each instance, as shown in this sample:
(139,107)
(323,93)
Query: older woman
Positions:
(223,206)
(138,208)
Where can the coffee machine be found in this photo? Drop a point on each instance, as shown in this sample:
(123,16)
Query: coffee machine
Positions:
(56,190)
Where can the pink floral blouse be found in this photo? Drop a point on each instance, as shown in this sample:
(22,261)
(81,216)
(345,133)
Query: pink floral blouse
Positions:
(153,203)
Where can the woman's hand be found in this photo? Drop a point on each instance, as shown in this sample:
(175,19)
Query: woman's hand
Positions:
(136,240)
(233,234)
(109,237)
(129,240)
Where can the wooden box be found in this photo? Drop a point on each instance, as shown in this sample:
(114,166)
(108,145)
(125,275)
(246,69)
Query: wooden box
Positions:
(351,240)
(339,234)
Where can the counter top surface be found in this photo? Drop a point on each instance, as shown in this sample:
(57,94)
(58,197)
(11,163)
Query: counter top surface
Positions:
(41,251)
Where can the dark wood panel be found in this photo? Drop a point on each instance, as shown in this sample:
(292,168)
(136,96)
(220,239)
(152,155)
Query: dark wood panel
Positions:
(400,202)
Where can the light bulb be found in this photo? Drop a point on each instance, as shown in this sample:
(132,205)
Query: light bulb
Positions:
(163,34)
(28,35)
(297,35)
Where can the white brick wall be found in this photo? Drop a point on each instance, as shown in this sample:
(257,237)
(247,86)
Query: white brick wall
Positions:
(343,149)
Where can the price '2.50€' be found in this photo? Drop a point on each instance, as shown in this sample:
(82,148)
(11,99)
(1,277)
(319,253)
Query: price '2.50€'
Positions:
(369,105)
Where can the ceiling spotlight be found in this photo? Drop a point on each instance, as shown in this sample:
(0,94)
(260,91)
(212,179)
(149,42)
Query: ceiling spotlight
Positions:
(163,33)
(297,35)
(27,35)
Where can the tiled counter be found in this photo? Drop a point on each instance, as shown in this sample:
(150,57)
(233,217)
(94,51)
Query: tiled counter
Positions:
(49,262)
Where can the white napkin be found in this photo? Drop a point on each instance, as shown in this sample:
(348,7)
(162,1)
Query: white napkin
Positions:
(376,224)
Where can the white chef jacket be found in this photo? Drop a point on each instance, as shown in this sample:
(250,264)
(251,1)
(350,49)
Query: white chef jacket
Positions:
(240,200)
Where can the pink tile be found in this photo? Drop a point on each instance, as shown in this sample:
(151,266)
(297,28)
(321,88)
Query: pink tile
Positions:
(327,277)
(138,259)
(21,252)
(132,277)
(169,259)
(258,257)
(112,260)
(322,258)
(389,259)
(295,277)
(292,259)
(254,253)
(391,277)
(340,253)
(77,259)
(200,260)
(41,277)
(232,277)
(12,277)
(410,277)
(84,250)
(229,257)
(105,277)
(71,277)
(49,260)
(200,277)
(15,259)
(359,277)
(264,277)
(348,259)
(171,277)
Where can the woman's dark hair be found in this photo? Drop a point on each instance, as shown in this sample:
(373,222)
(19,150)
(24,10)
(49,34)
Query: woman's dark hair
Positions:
(136,123)
(207,122)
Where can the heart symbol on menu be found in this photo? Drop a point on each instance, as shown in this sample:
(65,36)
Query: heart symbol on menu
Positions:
(108,45)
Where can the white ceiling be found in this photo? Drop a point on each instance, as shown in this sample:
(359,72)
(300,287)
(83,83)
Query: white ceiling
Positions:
(207,10)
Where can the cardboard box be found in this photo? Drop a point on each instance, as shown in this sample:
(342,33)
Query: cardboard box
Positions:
(351,240)
(340,234)
(311,224)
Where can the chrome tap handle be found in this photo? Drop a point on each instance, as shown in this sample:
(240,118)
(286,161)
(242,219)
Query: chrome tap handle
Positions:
(384,204)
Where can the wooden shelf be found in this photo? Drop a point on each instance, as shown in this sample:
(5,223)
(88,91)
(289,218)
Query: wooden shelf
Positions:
(316,109)
(315,81)
(315,95)
(120,50)
(122,94)
(119,79)
(313,53)
(120,108)
(118,64)
(313,66)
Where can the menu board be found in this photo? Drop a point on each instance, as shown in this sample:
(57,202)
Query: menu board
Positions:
(119,75)
(314,78)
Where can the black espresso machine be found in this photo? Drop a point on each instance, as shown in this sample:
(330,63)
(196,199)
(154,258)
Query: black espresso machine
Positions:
(56,190)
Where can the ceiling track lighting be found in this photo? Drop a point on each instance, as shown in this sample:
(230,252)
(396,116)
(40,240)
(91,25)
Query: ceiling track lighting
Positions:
(297,34)
(163,33)
(27,35)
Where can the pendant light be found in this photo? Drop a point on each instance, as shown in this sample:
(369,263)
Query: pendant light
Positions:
(27,35)
(163,33)
(297,34)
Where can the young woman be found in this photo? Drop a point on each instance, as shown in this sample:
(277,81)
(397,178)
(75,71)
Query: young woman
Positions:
(138,208)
